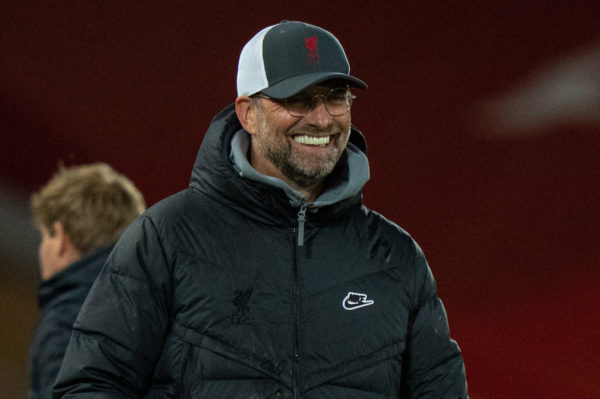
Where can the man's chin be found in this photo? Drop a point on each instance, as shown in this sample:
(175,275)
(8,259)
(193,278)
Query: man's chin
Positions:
(307,176)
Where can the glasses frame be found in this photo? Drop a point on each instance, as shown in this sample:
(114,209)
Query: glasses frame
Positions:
(283,101)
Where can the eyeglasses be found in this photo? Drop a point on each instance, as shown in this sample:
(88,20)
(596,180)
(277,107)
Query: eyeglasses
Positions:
(337,102)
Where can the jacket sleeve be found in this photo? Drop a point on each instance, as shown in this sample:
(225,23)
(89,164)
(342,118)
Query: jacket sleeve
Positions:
(118,334)
(432,366)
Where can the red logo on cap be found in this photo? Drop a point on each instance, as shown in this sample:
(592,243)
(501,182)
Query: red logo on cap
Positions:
(313,54)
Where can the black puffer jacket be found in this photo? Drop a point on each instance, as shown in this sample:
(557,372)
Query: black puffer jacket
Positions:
(210,295)
(60,298)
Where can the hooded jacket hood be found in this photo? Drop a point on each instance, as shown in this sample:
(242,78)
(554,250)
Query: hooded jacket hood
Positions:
(235,182)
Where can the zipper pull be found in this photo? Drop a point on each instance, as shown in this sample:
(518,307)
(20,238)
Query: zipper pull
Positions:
(301,220)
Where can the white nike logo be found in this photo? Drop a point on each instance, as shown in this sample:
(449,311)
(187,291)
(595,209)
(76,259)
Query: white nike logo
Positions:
(355,300)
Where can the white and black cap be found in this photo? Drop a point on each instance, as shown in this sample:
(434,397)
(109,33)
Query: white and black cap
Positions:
(283,59)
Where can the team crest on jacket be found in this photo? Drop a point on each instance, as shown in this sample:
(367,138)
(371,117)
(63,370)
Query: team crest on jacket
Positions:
(356,300)
(240,301)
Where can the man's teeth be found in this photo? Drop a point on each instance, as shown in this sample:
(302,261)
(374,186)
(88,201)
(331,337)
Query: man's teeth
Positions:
(312,140)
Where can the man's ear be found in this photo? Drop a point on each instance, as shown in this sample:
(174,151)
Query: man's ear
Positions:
(61,236)
(66,249)
(246,113)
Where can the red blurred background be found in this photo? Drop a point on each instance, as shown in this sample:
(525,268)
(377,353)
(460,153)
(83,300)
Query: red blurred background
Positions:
(483,125)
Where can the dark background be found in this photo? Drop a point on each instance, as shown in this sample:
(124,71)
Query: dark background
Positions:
(502,198)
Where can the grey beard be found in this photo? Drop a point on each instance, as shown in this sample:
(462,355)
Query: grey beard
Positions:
(302,178)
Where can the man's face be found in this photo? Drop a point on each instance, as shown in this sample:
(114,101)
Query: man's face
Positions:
(303,150)
(48,252)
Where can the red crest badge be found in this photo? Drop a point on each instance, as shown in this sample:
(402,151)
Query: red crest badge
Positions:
(313,53)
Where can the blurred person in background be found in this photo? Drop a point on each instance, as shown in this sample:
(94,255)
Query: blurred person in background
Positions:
(80,213)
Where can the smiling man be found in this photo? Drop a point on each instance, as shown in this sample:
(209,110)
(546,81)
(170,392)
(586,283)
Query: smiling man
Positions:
(268,277)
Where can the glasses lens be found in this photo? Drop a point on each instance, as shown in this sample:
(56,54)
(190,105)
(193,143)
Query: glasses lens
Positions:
(338,101)
(299,104)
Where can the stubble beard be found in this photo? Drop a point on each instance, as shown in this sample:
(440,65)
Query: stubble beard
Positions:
(302,168)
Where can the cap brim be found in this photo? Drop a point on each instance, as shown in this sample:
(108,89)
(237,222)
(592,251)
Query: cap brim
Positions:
(293,85)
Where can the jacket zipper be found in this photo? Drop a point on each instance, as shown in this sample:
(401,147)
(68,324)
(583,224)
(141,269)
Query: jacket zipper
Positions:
(301,220)
(296,382)
(300,242)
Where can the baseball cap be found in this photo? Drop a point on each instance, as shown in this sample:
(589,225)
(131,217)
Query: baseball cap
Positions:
(283,59)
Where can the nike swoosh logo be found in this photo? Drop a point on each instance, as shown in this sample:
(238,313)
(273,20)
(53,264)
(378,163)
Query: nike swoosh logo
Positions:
(356,300)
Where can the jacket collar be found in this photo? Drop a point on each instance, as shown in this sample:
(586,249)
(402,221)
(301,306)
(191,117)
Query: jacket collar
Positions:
(79,274)
(348,185)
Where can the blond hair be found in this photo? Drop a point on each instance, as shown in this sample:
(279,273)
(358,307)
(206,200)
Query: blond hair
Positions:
(93,203)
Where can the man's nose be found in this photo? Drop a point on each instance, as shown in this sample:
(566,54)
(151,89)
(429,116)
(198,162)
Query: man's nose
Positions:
(318,115)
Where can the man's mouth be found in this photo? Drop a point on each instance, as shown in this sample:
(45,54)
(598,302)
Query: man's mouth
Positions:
(312,140)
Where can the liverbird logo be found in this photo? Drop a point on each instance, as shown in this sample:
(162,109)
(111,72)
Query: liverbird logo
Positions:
(240,301)
(313,53)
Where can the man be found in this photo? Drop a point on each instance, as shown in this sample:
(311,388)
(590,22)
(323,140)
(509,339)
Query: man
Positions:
(80,212)
(267,278)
